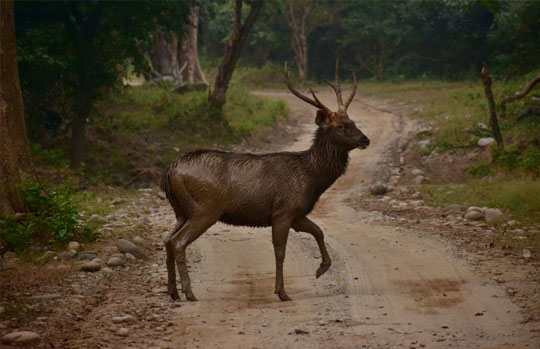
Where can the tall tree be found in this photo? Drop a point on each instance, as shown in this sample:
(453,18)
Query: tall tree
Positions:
(164,56)
(189,49)
(297,14)
(15,159)
(233,49)
(83,46)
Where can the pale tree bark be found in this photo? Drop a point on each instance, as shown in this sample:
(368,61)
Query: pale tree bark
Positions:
(232,51)
(487,82)
(15,161)
(164,56)
(297,14)
(189,54)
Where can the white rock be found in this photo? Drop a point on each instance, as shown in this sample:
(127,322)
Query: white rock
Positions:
(492,214)
(526,254)
(474,215)
(129,256)
(417,172)
(420,180)
(126,318)
(115,262)
(123,332)
(424,144)
(91,266)
(72,253)
(485,142)
(475,208)
(21,337)
(386,198)
(126,246)
(138,240)
(97,219)
(74,245)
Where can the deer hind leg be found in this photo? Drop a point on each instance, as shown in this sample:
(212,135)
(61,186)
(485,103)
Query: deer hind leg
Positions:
(308,226)
(280,233)
(192,229)
(171,269)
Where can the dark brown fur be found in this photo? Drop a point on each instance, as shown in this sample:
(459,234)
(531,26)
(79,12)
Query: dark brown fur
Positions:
(275,189)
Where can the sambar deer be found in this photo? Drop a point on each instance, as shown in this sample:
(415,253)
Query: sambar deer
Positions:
(259,190)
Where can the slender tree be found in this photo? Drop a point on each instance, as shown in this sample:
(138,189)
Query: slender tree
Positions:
(189,49)
(233,49)
(297,14)
(15,159)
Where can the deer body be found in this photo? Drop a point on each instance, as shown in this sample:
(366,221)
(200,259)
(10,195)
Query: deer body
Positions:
(275,189)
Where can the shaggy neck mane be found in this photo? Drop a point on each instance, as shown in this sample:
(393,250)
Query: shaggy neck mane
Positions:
(325,156)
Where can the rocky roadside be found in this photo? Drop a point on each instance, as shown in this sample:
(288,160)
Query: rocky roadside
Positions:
(130,261)
(487,238)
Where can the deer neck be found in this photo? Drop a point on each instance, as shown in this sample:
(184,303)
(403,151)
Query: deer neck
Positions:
(326,159)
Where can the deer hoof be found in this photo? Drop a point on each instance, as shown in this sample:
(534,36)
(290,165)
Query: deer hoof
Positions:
(174,295)
(322,269)
(283,296)
(191,297)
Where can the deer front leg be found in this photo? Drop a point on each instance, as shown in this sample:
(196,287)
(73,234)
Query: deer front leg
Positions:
(280,233)
(308,226)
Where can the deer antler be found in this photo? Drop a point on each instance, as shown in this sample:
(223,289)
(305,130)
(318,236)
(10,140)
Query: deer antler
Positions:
(337,89)
(349,100)
(314,102)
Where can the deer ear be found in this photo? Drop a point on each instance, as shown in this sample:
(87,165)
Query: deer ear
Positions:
(322,118)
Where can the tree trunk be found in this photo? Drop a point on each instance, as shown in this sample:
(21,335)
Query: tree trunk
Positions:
(15,159)
(299,35)
(486,80)
(232,51)
(190,53)
(164,56)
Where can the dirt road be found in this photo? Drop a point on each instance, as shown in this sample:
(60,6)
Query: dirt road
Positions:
(388,286)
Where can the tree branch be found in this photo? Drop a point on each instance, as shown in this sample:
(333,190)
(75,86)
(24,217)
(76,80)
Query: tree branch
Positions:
(520,94)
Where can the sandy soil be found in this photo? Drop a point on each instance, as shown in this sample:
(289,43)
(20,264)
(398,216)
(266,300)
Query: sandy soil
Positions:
(388,287)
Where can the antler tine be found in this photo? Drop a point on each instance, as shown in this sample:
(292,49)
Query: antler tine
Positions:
(316,103)
(336,86)
(349,100)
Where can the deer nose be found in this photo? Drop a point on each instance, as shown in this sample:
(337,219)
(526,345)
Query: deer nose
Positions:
(365,141)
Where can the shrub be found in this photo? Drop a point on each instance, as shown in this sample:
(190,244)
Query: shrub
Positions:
(51,217)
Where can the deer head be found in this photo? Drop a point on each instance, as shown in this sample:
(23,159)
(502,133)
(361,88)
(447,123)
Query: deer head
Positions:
(336,125)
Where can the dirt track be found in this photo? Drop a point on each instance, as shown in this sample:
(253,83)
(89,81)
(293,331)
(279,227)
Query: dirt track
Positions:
(388,286)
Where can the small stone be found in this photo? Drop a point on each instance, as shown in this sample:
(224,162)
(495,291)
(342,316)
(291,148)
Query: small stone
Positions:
(98,261)
(126,318)
(129,256)
(301,331)
(87,256)
(117,201)
(475,208)
(492,215)
(424,144)
(526,254)
(126,246)
(484,142)
(123,332)
(97,219)
(417,172)
(72,253)
(91,266)
(474,215)
(21,337)
(74,245)
(139,240)
(111,249)
(115,262)
(378,189)
(46,297)
(12,263)
(420,180)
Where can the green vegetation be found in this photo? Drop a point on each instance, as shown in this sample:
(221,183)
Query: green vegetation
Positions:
(52,217)
(520,195)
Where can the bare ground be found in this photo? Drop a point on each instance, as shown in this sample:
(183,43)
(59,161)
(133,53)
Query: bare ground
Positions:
(392,283)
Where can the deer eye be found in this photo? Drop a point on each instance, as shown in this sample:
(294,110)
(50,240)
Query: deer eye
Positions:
(340,127)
